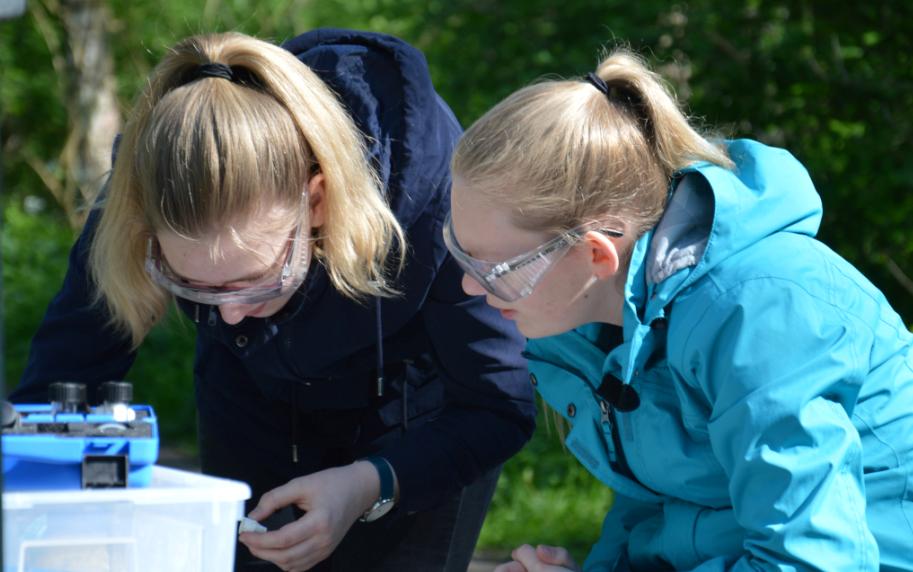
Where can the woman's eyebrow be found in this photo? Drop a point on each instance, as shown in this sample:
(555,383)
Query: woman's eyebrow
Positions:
(251,277)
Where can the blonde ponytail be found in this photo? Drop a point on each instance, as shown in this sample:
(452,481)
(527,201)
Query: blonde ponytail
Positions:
(674,140)
(561,153)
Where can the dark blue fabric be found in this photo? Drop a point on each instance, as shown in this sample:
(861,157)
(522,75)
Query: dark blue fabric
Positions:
(306,376)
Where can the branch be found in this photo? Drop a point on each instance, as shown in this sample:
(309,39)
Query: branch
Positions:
(728,48)
(43,22)
(47,177)
(899,274)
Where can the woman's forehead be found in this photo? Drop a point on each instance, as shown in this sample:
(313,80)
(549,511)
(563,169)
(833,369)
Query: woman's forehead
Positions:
(261,225)
(485,228)
(259,232)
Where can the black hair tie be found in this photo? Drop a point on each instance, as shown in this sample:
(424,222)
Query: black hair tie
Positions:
(214,70)
(598,83)
(235,74)
(627,96)
(619,93)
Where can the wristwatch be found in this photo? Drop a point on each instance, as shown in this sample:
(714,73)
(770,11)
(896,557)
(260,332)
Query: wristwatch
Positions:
(385,500)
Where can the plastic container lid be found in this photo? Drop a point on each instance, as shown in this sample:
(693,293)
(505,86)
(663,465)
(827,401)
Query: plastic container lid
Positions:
(168,486)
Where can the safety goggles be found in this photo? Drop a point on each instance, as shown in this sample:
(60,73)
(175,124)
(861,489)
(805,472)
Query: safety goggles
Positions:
(516,278)
(285,276)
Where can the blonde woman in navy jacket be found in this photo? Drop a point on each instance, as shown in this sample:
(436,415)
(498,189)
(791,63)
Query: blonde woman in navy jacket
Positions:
(291,200)
(745,392)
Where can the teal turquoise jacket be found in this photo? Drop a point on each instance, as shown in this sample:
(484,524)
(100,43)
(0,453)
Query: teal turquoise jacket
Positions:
(774,429)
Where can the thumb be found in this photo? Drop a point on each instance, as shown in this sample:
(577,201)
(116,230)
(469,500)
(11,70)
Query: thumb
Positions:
(555,555)
(292,492)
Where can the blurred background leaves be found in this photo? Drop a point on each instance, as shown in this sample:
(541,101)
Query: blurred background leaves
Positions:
(832,82)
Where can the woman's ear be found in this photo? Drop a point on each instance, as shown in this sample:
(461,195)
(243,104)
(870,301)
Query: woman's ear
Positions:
(603,254)
(316,196)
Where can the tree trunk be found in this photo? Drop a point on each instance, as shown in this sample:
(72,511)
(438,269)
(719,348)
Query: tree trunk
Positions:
(91,102)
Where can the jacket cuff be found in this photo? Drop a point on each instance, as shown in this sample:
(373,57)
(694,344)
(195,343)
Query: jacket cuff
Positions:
(681,520)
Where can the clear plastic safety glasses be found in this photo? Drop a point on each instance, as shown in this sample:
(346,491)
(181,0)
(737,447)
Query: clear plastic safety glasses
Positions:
(286,275)
(516,278)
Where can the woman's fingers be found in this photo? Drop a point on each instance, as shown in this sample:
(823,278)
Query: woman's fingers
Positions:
(296,546)
(558,559)
(292,492)
(555,555)
(510,567)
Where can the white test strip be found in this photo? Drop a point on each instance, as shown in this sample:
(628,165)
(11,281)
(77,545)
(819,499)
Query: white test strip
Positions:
(250,525)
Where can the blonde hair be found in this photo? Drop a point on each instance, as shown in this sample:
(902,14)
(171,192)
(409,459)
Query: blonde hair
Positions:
(198,155)
(566,153)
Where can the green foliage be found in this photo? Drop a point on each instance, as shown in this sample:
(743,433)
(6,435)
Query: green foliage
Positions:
(481,51)
(833,85)
(31,108)
(545,496)
(163,377)
(35,248)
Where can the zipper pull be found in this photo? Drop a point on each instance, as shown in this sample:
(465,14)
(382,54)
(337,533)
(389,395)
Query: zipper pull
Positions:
(607,421)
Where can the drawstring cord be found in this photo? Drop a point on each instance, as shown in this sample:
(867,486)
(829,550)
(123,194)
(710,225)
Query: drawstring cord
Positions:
(378,321)
(379,387)
(294,422)
(405,408)
(380,348)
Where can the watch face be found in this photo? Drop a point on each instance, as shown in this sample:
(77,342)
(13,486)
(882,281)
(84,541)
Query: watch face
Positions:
(379,509)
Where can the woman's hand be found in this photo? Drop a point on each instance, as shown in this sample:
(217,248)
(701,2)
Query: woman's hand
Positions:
(331,499)
(540,559)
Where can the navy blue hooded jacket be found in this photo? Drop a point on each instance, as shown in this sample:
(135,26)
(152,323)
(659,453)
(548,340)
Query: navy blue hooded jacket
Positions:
(321,353)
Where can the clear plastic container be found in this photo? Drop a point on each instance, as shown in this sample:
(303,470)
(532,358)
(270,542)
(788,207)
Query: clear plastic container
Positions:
(181,522)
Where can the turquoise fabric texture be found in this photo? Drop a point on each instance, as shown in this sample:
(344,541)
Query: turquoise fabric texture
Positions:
(775,425)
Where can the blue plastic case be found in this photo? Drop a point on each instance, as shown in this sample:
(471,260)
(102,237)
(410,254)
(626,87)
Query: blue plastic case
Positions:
(48,450)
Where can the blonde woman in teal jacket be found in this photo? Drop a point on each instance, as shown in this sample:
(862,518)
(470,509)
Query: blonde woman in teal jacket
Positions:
(745,392)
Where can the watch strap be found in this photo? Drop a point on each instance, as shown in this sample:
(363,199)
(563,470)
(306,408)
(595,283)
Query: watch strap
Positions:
(387,488)
(386,476)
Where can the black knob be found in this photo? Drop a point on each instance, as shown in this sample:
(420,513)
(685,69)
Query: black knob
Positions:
(117,392)
(69,396)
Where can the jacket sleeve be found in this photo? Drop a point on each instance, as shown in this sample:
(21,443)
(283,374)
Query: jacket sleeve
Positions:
(679,534)
(609,554)
(74,341)
(489,411)
(781,369)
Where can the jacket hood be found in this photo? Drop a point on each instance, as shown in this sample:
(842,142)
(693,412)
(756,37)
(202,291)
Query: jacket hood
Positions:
(386,87)
(713,213)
